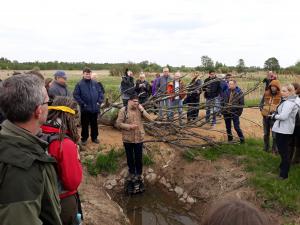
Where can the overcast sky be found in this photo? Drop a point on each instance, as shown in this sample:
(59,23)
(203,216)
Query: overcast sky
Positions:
(162,31)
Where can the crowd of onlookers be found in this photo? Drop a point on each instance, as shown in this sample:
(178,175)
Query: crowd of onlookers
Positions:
(40,168)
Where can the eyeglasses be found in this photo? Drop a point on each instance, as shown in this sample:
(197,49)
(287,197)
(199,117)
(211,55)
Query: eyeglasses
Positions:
(47,103)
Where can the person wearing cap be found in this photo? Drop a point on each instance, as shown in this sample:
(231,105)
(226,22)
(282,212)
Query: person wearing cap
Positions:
(89,96)
(58,86)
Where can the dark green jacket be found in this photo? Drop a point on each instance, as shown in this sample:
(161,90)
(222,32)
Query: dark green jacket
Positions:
(28,182)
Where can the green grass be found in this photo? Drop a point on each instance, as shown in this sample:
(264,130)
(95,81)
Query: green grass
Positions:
(148,160)
(283,194)
(105,162)
(109,162)
(252,102)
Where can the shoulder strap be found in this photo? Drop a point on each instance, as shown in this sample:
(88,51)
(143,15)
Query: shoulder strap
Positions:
(125,114)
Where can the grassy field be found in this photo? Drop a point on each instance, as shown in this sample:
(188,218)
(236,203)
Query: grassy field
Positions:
(112,84)
(280,195)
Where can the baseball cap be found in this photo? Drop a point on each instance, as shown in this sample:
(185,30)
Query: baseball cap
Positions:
(60,73)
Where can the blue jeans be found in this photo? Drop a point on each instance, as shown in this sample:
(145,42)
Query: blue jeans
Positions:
(162,105)
(236,124)
(176,104)
(211,109)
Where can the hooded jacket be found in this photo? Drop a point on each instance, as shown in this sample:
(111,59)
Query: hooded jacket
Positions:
(270,102)
(28,182)
(285,115)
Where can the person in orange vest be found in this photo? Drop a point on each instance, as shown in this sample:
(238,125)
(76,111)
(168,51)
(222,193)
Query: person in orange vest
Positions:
(268,105)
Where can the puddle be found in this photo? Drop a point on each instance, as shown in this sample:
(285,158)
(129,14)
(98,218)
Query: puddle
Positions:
(156,207)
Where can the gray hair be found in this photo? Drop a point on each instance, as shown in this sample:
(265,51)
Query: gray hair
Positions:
(20,95)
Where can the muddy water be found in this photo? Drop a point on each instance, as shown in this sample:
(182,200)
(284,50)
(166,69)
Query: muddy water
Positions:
(155,207)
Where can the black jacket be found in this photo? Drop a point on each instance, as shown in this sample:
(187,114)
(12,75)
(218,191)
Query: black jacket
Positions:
(127,85)
(143,88)
(213,89)
(194,91)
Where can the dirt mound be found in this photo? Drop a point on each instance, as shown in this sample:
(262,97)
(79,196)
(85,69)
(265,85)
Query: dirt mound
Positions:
(98,208)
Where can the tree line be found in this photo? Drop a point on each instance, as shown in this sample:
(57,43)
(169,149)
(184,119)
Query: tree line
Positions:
(117,69)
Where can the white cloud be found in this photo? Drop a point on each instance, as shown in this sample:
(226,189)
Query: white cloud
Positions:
(167,32)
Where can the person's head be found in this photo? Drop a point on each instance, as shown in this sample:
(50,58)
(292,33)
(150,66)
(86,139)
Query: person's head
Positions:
(133,102)
(269,74)
(235,212)
(287,90)
(297,88)
(87,73)
(60,77)
(63,114)
(274,86)
(166,71)
(130,73)
(142,76)
(94,76)
(211,73)
(157,75)
(228,76)
(177,75)
(36,73)
(232,84)
(24,99)
(48,82)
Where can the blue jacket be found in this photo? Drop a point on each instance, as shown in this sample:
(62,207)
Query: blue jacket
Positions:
(89,95)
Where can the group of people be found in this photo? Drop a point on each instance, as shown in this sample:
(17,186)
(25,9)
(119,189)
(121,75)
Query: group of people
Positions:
(39,162)
(42,179)
(40,182)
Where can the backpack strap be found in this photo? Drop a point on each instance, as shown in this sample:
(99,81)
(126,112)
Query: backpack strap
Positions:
(125,114)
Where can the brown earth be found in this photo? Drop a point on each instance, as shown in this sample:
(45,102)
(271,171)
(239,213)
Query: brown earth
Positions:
(204,180)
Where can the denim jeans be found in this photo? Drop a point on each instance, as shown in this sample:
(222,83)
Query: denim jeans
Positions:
(211,109)
(176,104)
(163,105)
(236,125)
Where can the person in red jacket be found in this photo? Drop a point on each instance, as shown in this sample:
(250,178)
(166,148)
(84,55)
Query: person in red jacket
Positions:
(61,132)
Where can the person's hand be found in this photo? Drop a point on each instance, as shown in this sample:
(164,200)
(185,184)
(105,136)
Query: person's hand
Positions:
(272,116)
(133,126)
(141,108)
